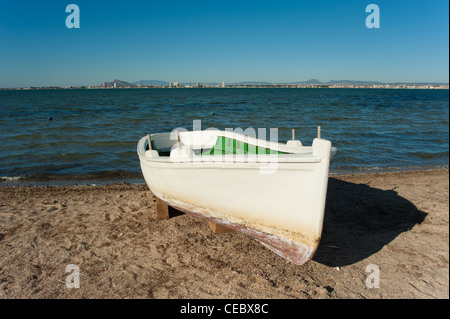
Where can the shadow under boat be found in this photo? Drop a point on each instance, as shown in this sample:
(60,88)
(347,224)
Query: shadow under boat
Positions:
(359,220)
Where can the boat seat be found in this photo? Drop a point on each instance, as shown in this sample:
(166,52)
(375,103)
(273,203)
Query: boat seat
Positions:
(183,152)
(151,153)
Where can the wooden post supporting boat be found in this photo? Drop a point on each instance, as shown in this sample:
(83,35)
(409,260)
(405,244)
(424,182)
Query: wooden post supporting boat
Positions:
(318,132)
(217,228)
(162,209)
(293,134)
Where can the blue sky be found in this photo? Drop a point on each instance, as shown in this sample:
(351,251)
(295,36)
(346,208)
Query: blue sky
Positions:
(214,41)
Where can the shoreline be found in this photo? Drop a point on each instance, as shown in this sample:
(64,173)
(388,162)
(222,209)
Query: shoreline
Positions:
(123,177)
(397,221)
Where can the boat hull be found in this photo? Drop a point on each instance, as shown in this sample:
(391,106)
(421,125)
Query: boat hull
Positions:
(295,252)
(282,208)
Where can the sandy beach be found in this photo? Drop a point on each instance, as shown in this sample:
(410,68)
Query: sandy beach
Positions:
(395,222)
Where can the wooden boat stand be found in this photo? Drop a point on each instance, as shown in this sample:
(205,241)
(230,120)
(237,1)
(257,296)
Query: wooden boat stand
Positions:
(164,211)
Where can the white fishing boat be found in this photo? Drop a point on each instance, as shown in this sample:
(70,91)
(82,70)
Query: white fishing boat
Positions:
(274,192)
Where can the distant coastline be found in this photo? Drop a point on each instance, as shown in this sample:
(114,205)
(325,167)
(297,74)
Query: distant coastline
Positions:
(148,84)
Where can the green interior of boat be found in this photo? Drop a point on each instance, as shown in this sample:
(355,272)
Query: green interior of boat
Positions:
(229,146)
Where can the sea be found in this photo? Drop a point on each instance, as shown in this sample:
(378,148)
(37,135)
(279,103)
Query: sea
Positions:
(89,136)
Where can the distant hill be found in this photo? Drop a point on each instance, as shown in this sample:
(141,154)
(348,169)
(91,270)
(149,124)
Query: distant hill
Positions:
(351,82)
(312,81)
(119,84)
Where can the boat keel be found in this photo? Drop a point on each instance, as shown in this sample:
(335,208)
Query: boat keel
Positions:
(295,252)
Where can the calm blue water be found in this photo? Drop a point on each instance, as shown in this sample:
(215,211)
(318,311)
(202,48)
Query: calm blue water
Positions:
(94,132)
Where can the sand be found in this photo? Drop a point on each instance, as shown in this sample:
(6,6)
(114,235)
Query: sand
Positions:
(395,225)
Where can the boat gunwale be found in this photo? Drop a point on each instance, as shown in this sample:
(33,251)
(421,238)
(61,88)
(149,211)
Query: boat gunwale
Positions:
(301,158)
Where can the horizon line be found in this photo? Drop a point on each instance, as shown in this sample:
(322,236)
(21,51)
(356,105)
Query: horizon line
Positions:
(251,82)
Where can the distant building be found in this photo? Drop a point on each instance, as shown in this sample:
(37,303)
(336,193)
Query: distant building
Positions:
(139,85)
(223,84)
(115,85)
(175,84)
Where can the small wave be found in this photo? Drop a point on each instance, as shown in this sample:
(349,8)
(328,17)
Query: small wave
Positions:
(423,155)
(100,175)
(383,169)
(99,178)
(10,178)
